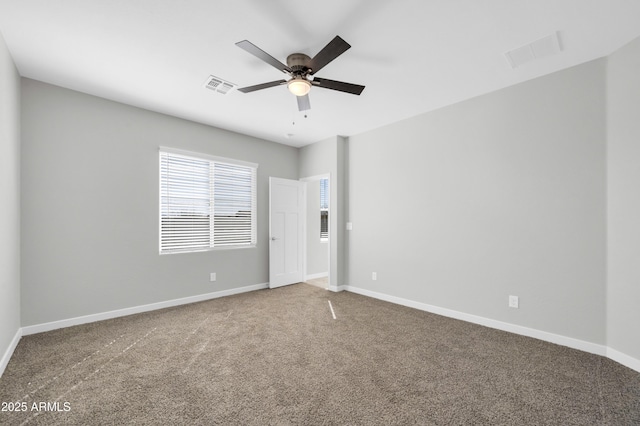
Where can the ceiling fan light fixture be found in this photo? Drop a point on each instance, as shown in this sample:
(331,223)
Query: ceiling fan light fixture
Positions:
(299,86)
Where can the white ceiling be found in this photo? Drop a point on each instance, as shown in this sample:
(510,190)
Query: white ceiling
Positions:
(413,56)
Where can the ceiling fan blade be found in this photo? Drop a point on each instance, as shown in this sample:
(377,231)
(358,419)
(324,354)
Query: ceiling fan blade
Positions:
(261,54)
(262,86)
(303,103)
(354,89)
(335,48)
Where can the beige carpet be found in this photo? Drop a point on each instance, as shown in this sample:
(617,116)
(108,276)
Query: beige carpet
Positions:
(319,282)
(278,357)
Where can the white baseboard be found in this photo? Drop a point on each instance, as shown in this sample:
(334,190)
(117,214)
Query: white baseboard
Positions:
(316,276)
(338,288)
(500,325)
(624,359)
(39,328)
(9,352)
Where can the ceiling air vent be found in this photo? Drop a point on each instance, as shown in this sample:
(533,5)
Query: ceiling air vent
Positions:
(542,48)
(218,85)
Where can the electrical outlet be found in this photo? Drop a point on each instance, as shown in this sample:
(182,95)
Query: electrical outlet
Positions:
(513,302)
(212,276)
(349,226)
(374,276)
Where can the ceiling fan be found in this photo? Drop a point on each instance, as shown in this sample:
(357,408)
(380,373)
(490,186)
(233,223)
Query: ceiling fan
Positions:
(301,70)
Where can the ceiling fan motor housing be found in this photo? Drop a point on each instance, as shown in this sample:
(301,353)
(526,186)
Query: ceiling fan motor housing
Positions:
(298,62)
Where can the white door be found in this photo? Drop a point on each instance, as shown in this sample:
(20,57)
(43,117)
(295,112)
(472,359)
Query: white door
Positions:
(286,226)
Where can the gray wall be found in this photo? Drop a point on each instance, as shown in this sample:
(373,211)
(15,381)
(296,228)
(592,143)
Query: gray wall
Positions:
(10,196)
(329,157)
(623,191)
(90,206)
(317,251)
(499,195)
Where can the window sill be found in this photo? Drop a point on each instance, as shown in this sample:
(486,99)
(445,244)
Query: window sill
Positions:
(208,249)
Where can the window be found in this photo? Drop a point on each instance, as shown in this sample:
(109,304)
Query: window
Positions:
(205,202)
(324,209)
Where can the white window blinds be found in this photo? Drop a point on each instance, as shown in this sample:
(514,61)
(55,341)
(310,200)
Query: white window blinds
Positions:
(205,202)
(324,209)
(324,194)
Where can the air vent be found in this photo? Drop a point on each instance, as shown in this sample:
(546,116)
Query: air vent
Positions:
(218,85)
(542,48)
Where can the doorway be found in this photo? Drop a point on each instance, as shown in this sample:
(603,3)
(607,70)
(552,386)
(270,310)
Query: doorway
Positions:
(317,233)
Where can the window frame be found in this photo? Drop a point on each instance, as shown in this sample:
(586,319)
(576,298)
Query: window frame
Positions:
(212,161)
